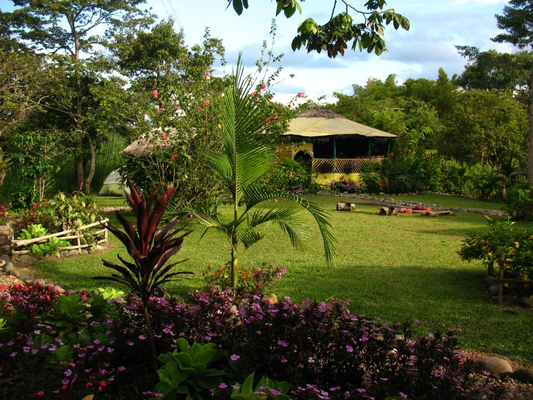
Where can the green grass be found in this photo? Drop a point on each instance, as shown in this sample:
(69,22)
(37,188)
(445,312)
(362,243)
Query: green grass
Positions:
(397,268)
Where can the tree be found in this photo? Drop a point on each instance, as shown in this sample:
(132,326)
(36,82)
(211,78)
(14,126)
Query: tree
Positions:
(341,29)
(239,167)
(485,127)
(180,98)
(517,21)
(66,31)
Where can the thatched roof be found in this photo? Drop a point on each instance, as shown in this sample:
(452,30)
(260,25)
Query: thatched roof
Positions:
(321,123)
(163,140)
(319,113)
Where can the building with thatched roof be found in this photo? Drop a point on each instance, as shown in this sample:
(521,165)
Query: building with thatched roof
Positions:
(334,145)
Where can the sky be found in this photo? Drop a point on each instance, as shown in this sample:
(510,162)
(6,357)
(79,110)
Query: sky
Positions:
(437,26)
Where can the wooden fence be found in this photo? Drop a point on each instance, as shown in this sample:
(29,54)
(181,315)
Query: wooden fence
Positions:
(342,165)
(100,236)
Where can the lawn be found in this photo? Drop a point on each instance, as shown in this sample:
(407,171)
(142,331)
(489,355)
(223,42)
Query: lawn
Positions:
(397,268)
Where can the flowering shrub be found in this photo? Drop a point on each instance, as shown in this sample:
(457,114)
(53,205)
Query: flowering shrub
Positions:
(255,280)
(60,213)
(4,211)
(321,350)
(291,176)
(501,242)
(345,186)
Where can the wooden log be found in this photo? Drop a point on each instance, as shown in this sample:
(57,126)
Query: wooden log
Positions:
(388,211)
(346,206)
(438,213)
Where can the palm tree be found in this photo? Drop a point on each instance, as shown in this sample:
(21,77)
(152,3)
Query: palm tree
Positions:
(242,163)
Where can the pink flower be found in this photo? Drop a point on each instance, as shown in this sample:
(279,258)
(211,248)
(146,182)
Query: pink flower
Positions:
(275,200)
(263,86)
(40,393)
(271,96)
(290,173)
(276,116)
(208,75)
(311,153)
(35,204)
(301,95)
(165,137)
(268,120)
(177,108)
(159,110)
(206,103)
(155,93)
(253,94)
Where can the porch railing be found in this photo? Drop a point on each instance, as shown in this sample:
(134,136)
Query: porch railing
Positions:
(342,165)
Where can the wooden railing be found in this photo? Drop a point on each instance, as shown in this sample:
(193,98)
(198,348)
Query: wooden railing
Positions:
(100,236)
(342,165)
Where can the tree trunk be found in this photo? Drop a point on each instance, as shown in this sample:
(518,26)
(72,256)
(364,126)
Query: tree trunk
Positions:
(92,168)
(530,137)
(79,162)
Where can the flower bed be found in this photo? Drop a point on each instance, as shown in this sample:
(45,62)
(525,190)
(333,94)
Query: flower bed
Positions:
(67,347)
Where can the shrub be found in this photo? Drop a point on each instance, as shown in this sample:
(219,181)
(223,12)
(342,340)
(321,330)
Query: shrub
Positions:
(501,243)
(291,176)
(255,280)
(320,349)
(345,186)
(483,181)
(520,201)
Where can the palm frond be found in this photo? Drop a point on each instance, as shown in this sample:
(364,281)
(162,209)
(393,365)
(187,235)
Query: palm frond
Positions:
(249,236)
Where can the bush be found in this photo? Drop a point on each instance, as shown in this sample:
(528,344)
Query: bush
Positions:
(483,181)
(320,349)
(520,201)
(291,176)
(345,186)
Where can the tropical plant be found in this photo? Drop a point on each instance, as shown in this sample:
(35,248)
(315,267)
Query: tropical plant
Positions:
(265,389)
(189,372)
(149,248)
(240,166)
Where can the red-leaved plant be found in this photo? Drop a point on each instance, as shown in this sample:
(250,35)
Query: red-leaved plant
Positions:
(149,248)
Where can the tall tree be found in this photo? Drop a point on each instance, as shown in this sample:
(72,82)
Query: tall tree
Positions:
(67,31)
(335,34)
(517,22)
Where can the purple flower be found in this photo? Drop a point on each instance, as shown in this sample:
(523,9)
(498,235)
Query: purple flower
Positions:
(403,395)
(283,343)
(121,368)
(222,386)
(142,337)
(235,357)
(349,348)
(68,372)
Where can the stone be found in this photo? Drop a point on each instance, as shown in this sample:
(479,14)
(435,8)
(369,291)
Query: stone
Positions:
(71,291)
(8,267)
(24,277)
(27,259)
(523,375)
(490,280)
(14,273)
(494,290)
(272,298)
(495,365)
(5,257)
(59,289)
(40,281)
(526,302)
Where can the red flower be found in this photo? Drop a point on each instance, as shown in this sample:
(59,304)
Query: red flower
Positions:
(165,137)
(263,86)
(159,110)
(174,156)
(35,204)
(392,154)
(276,116)
(253,94)
(155,93)
(206,103)
(40,393)
(271,96)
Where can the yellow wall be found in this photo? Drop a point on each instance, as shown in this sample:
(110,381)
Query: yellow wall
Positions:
(326,179)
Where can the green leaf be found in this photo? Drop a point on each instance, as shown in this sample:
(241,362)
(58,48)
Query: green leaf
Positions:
(237,6)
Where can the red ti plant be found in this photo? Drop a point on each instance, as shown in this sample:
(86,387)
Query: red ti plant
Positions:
(149,248)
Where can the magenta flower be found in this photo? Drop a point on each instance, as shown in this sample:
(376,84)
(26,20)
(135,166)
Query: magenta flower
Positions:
(301,95)
(206,103)
(235,357)
(155,93)
(263,86)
